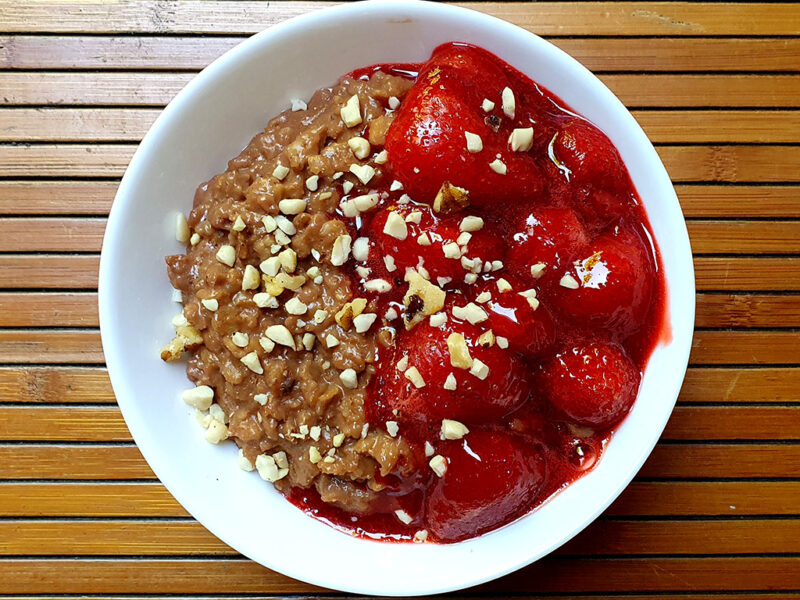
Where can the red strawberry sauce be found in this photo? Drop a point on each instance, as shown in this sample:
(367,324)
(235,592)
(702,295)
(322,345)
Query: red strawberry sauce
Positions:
(564,367)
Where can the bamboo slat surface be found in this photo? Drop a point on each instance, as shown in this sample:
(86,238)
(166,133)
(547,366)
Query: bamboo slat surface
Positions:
(714,514)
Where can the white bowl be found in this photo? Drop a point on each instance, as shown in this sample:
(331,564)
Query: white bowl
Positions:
(210,121)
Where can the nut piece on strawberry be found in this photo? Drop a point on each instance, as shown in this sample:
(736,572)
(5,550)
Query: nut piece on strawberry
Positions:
(441,135)
(592,383)
(444,372)
(610,285)
(490,477)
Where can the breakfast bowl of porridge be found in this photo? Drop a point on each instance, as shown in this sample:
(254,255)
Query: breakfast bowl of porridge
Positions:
(420,303)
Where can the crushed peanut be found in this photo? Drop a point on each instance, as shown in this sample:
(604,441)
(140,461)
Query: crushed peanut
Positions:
(459,352)
(453,430)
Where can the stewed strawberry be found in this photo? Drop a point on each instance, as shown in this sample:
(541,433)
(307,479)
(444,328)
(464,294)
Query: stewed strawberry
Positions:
(490,477)
(591,383)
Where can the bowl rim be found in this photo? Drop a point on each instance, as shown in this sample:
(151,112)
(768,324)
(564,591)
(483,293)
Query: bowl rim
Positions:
(109,252)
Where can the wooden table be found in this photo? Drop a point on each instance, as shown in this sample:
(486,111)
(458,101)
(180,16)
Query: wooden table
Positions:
(716,509)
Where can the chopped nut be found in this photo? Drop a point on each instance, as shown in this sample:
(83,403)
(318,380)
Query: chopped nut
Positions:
(381,157)
(261,399)
(195,239)
(239,224)
(315,432)
(437,319)
(479,369)
(341,250)
(280,172)
(569,282)
(402,364)
(423,239)
(471,312)
(486,338)
(349,378)
(538,270)
(294,306)
(338,440)
(394,102)
(450,198)
(483,297)
(267,344)
(403,516)
(312,183)
(351,112)
(422,299)
(396,186)
(268,469)
(509,102)
(534,302)
(252,362)
(199,397)
(438,465)
(320,316)
(474,142)
(395,226)
(503,285)
(286,226)
(459,352)
(414,217)
(281,335)
(288,260)
(298,105)
(392,428)
(380,286)
(361,249)
(182,233)
(450,383)
(452,250)
(498,166)
(471,223)
(211,304)
(244,464)
(331,341)
(226,255)
(240,339)
(281,460)
(497,265)
(413,375)
(177,296)
(217,431)
(487,105)
(364,321)
(421,536)
(502,342)
(453,430)
(391,314)
(292,206)
(265,300)
(360,147)
(251,278)
(531,293)
(521,139)
(364,172)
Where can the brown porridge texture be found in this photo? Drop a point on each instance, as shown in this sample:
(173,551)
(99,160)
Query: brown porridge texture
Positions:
(300,404)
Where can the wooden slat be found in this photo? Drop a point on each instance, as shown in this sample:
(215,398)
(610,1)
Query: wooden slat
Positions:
(744,237)
(48,310)
(713,310)
(707,237)
(50,346)
(692,461)
(557,574)
(603,538)
(732,310)
(738,164)
(66,461)
(745,347)
(599,54)
(688,423)
(130,124)
(48,271)
(56,197)
(640,499)
(694,423)
(55,385)
(51,234)
(545,18)
(715,460)
(757,274)
(156,89)
(762,201)
(730,385)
